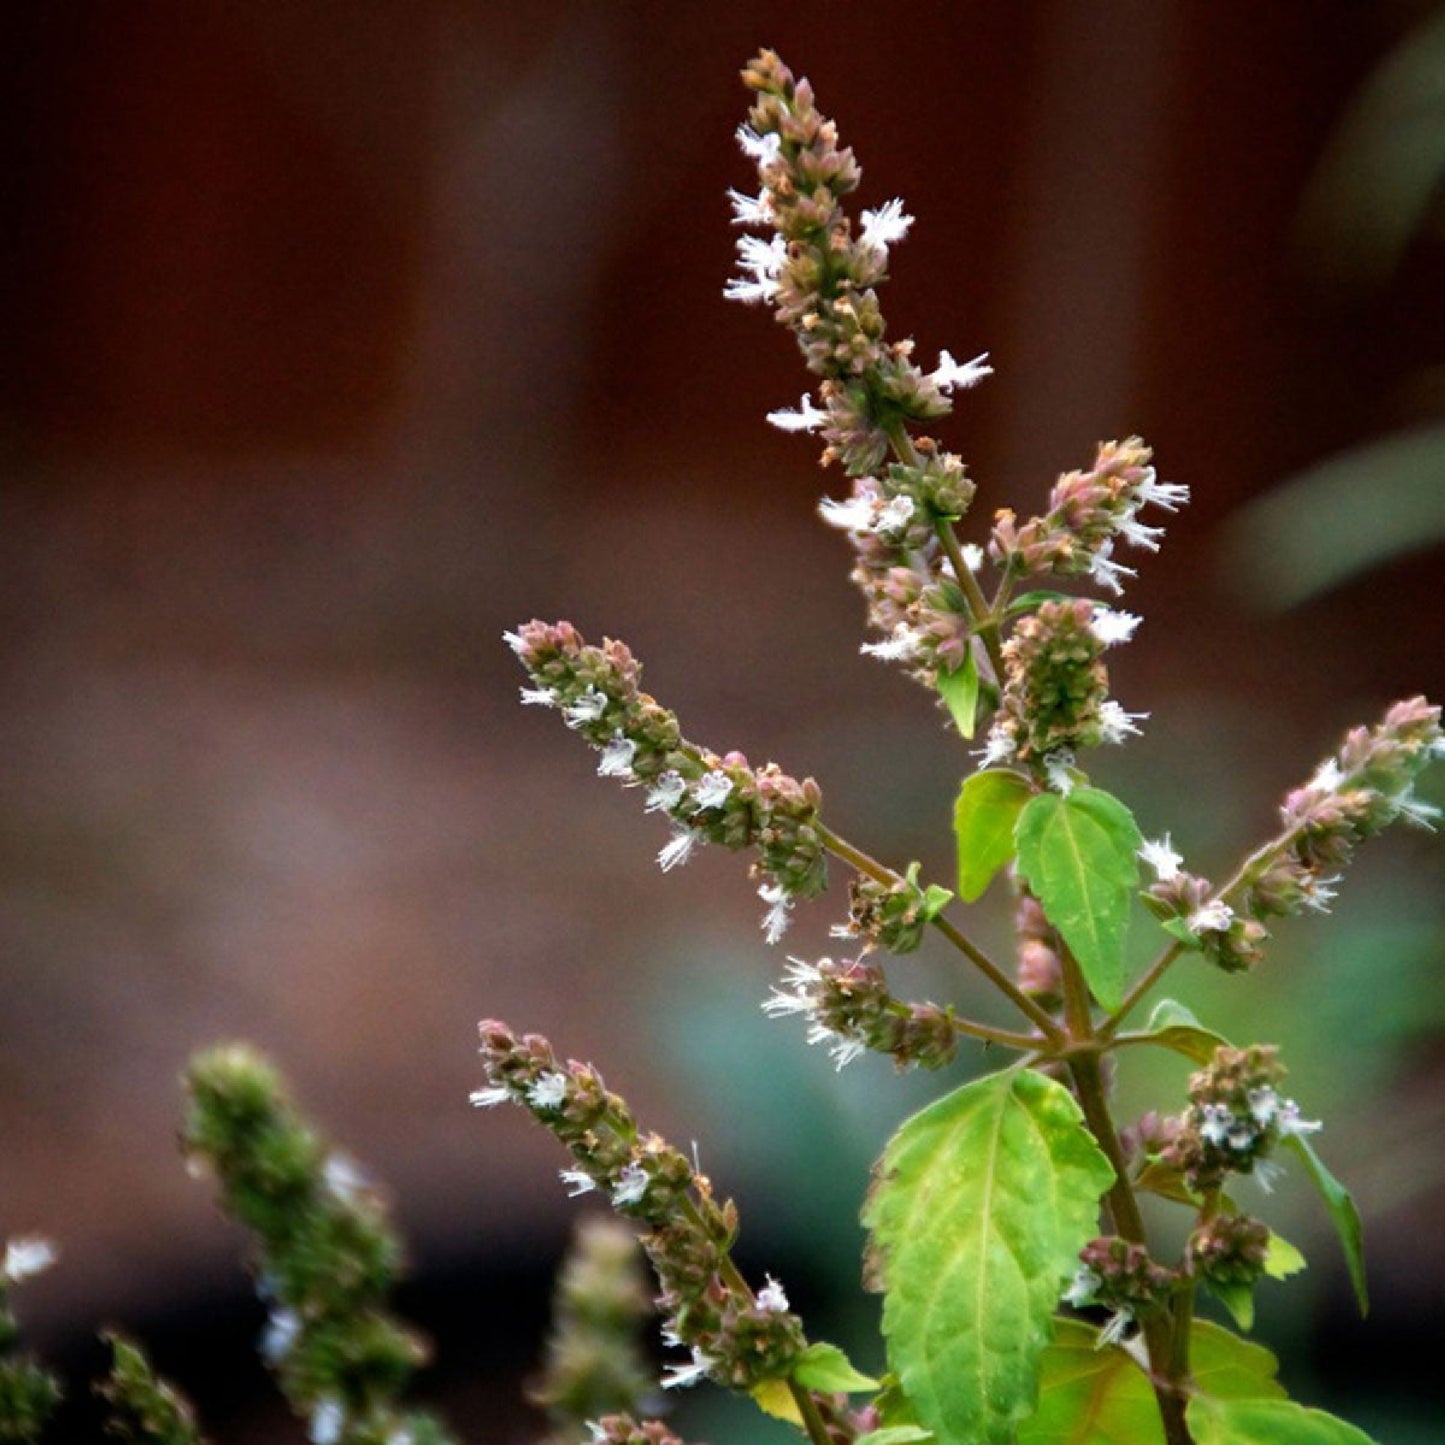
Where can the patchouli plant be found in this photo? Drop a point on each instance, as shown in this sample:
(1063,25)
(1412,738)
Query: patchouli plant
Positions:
(1023,1297)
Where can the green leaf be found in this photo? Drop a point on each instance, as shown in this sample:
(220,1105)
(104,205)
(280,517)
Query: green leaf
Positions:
(895,1435)
(825,1367)
(1281,1258)
(1178,928)
(959,690)
(1238,1299)
(1266,1422)
(773,1397)
(1077,853)
(984,816)
(982,1203)
(1342,1212)
(1173,1026)
(1094,1396)
(1230,1368)
(935,900)
(1167,1181)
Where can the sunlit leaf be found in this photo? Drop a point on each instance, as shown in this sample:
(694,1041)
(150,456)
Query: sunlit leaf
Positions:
(825,1367)
(1172,1026)
(1213,1421)
(1078,854)
(1282,1259)
(984,816)
(1094,1396)
(982,1203)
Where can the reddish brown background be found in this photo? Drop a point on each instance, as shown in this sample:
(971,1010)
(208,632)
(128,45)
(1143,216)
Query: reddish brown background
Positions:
(339,338)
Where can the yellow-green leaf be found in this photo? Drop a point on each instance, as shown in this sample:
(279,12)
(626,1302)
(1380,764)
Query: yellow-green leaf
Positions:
(1078,854)
(1266,1422)
(984,816)
(982,1203)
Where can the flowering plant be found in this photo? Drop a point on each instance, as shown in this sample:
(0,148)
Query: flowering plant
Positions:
(1024,1298)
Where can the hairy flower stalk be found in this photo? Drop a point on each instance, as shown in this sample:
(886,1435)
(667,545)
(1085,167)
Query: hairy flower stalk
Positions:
(708,798)
(736,1337)
(326,1255)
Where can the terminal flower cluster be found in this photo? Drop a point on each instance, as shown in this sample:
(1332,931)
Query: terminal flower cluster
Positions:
(736,1337)
(708,798)
(1235,1118)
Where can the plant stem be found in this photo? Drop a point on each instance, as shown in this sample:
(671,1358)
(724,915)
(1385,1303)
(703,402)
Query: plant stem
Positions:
(881,873)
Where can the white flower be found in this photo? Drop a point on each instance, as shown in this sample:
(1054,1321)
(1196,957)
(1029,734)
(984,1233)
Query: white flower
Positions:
(1116,724)
(279,1335)
(617,756)
(894,515)
(1138,535)
(578,1181)
(679,850)
(1057,769)
(1168,495)
(489,1098)
(1216,1124)
(679,1377)
(1161,858)
(1112,627)
(854,515)
(752,210)
(344,1178)
(1291,1123)
(539,696)
(588,707)
(712,789)
(807,417)
(1214,917)
(800,979)
(631,1184)
(26,1256)
(327,1421)
(666,791)
(515,641)
(780,911)
(842,1050)
(900,644)
(773,1298)
(889,223)
(760,261)
(1084,1288)
(1318,893)
(1264,1105)
(1416,810)
(1327,777)
(950,374)
(760,148)
(1105,571)
(549,1090)
(972,556)
(1117,1327)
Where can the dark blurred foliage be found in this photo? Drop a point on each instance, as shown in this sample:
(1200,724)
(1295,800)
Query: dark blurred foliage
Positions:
(342,337)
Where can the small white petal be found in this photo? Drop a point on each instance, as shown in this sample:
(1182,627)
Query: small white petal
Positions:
(1214,917)
(327,1421)
(679,850)
(549,1090)
(900,644)
(1112,627)
(631,1184)
(772,1297)
(712,789)
(539,696)
(807,417)
(578,1181)
(760,148)
(894,516)
(1168,495)
(1327,777)
(26,1256)
(950,374)
(854,515)
(489,1098)
(666,792)
(752,210)
(616,759)
(889,223)
(1117,724)
(1161,858)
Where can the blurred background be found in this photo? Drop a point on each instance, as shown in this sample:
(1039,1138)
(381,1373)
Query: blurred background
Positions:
(341,337)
